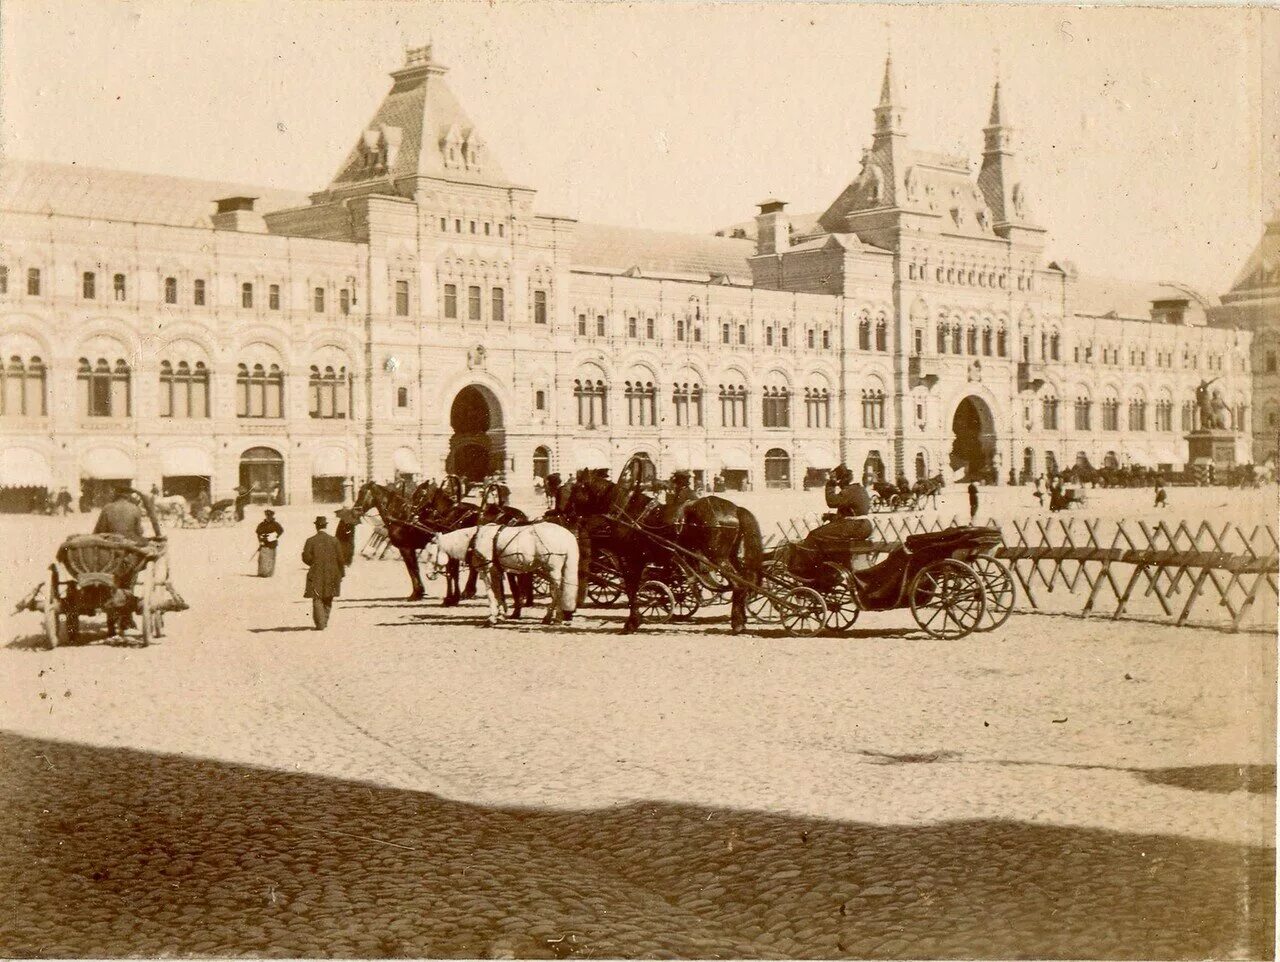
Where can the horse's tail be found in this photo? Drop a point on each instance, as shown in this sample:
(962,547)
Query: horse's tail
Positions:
(751,542)
(569,575)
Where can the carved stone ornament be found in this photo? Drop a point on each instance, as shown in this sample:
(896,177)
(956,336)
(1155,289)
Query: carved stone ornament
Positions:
(476,356)
(975,371)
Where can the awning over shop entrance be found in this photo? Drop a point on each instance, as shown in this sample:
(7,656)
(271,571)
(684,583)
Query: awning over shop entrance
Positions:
(24,468)
(329,463)
(821,456)
(590,458)
(735,459)
(187,461)
(405,461)
(106,464)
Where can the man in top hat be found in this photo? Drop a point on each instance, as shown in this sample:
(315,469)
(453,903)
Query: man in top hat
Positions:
(323,557)
(268,532)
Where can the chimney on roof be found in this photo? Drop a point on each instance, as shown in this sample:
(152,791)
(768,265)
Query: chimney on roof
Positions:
(771,227)
(237,213)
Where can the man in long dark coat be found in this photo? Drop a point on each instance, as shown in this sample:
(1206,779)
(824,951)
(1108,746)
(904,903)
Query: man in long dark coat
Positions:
(323,557)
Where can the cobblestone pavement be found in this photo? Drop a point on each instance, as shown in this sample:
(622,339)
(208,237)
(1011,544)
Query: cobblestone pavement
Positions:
(412,783)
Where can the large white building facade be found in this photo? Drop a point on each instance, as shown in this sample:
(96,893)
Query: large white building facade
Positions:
(418,313)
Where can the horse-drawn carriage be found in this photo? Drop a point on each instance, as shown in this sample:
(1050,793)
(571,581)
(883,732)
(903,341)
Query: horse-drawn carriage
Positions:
(904,497)
(950,580)
(125,581)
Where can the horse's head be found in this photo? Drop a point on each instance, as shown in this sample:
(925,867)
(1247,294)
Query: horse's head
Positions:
(365,499)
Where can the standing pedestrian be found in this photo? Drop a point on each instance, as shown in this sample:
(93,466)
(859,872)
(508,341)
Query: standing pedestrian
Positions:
(1162,497)
(1039,494)
(346,535)
(323,557)
(973,500)
(243,494)
(268,532)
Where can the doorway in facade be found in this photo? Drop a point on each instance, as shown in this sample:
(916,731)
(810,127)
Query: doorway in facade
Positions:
(477,448)
(262,471)
(973,450)
(190,486)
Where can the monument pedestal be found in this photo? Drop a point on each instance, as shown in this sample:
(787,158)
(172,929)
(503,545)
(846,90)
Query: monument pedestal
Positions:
(1209,452)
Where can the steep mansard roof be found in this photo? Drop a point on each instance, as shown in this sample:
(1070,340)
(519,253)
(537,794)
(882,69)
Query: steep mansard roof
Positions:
(1262,269)
(420,129)
(99,194)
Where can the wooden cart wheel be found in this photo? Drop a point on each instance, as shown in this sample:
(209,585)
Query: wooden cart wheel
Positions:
(145,616)
(51,619)
(688,598)
(947,599)
(803,611)
(998,587)
(655,602)
(842,603)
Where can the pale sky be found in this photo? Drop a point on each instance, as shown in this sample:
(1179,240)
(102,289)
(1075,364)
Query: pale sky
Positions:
(1140,131)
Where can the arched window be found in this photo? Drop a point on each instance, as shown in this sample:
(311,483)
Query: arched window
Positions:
(259,391)
(171,290)
(986,341)
(942,338)
(768,336)
(1083,409)
(329,392)
(775,407)
(1055,347)
(733,406)
(117,286)
(22,388)
(687,401)
(1110,414)
(864,334)
(817,407)
(1138,414)
(592,397)
(1049,412)
(922,468)
(873,467)
(971,340)
(1002,342)
(106,391)
(1164,415)
(777,468)
(184,390)
(541,461)
(642,403)
(873,408)
(882,334)
(1189,418)
(957,334)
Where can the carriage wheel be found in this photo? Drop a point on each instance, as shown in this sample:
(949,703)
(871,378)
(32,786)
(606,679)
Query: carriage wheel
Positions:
(542,585)
(842,604)
(947,599)
(655,602)
(803,611)
(605,585)
(877,503)
(997,586)
(759,604)
(688,598)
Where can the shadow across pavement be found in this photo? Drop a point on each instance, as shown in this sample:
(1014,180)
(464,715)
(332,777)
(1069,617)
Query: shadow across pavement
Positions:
(110,851)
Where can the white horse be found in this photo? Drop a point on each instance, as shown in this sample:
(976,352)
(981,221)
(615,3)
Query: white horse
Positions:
(172,508)
(542,547)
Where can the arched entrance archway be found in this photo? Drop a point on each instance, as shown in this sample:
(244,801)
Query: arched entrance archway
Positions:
(478,445)
(974,447)
(262,471)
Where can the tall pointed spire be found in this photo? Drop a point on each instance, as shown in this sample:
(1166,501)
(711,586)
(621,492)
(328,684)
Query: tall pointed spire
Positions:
(889,111)
(996,119)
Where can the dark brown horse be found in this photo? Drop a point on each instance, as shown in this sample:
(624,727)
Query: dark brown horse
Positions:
(629,522)
(397,517)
